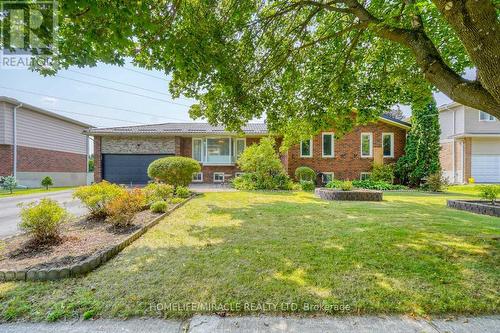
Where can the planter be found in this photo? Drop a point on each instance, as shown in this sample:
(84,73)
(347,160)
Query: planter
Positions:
(354,195)
(475,206)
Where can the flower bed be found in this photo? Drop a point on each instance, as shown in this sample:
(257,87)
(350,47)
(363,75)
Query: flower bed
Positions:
(476,206)
(352,195)
(84,245)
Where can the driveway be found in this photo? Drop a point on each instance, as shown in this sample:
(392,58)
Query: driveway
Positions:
(9,211)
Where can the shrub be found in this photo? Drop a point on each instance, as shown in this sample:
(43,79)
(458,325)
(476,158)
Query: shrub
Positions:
(489,192)
(159,207)
(382,172)
(435,182)
(121,209)
(46,182)
(42,220)
(305,173)
(8,183)
(182,192)
(175,201)
(96,196)
(177,170)
(346,185)
(157,192)
(335,183)
(370,184)
(307,185)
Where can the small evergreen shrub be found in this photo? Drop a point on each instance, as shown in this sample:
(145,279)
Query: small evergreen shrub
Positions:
(46,182)
(489,192)
(121,209)
(97,196)
(175,170)
(305,173)
(158,192)
(382,172)
(346,185)
(335,183)
(435,182)
(182,192)
(307,185)
(42,220)
(8,183)
(159,207)
(175,201)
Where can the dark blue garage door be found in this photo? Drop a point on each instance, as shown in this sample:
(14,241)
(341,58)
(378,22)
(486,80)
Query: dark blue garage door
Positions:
(129,169)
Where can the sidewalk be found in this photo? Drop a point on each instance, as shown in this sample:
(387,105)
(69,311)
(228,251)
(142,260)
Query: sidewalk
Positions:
(264,324)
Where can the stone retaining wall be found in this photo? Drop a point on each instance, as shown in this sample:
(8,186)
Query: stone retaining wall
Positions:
(88,264)
(478,207)
(354,195)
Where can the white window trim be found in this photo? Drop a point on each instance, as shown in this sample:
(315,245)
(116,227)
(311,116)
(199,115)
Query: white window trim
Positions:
(237,174)
(323,145)
(328,173)
(392,145)
(364,173)
(490,119)
(310,150)
(198,181)
(236,144)
(192,148)
(205,156)
(219,173)
(371,145)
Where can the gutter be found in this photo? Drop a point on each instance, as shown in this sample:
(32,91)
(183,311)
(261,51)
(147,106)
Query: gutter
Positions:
(14,143)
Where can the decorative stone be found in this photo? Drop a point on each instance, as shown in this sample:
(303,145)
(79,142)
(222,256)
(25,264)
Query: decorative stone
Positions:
(10,275)
(475,206)
(64,273)
(21,275)
(42,275)
(354,195)
(75,270)
(31,275)
(2,276)
(53,274)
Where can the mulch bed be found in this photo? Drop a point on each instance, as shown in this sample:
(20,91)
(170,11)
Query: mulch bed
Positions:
(79,240)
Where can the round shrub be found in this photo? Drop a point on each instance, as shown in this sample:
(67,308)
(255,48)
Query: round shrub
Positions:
(157,192)
(42,220)
(346,186)
(96,196)
(305,173)
(176,170)
(159,207)
(182,192)
(307,185)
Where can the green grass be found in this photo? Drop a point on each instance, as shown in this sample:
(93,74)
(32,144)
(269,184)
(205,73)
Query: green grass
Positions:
(408,254)
(19,191)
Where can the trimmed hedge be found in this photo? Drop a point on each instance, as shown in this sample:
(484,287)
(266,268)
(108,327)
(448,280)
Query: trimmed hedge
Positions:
(304,173)
(175,170)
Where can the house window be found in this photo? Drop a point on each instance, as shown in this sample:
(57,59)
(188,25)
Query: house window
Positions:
(219,150)
(306,148)
(218,177)
(365,175)
(327,177)
(240,145)
(366,145)
(197,177)
(483,116)
(388,144)
(328,145)
(237,174)
(197,149)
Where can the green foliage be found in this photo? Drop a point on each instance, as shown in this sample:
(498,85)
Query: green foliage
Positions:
(382,172)
(422,148)
(121,209)
(175,201)
(379,185)
(346,185)
(307,185)
(96,196)
(157,192)
(182,192)
(489,192)
(305,173)
(435,182)
(335,183)
(46,182)
(8,183)
(91,165)
(43,219)
(263,168)
(175,170)
(159,207)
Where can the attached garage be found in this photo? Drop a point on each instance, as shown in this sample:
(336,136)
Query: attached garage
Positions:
(129,169)
(486,168)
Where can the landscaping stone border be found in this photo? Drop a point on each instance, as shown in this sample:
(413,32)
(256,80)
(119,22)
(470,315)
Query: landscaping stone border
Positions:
(88,264)
(353,195)
(474,206)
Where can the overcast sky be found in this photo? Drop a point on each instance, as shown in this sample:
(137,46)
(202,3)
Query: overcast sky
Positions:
(104,95)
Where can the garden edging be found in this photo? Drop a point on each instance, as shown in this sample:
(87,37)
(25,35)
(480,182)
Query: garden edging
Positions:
(88,264)
(474,206)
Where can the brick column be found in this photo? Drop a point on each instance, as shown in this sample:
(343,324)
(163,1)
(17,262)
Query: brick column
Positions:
(6,158)
(467,159)
(97,159)
(177,146)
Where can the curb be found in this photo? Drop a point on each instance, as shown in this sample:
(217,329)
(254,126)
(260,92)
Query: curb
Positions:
(87,265)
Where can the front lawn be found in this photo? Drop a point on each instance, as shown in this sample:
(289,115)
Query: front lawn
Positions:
(287,252)
(22,191)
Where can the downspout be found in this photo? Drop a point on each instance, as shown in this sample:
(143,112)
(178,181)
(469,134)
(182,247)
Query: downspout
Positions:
(14,141)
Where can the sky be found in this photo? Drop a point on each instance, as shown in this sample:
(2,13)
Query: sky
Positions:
(106,95)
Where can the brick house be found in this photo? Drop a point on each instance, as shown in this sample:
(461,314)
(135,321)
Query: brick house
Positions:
(35,143)
(122,154)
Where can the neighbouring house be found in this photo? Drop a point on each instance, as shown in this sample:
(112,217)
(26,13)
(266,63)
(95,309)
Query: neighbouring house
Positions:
(35,143)
(470,144)
(122,154)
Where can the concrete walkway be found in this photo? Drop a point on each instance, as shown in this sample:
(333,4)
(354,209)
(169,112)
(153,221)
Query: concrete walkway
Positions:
(264,324)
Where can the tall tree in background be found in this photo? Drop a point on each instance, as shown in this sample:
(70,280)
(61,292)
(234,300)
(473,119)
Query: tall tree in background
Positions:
(422,148)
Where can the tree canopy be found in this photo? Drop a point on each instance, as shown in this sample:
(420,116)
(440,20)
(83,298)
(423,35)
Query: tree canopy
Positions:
(306,64)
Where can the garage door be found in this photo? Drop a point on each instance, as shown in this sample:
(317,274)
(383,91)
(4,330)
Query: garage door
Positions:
(130,169)
(486,168)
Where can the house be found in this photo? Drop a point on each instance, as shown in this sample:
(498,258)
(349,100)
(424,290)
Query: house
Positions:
(35,143)
(470,144)
(122,154)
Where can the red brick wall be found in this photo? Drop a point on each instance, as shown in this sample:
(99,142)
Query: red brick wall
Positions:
(347,163)
(43,160)
(97,159)
(6,159)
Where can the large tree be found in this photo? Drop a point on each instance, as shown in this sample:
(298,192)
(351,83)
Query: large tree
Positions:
(306,64)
